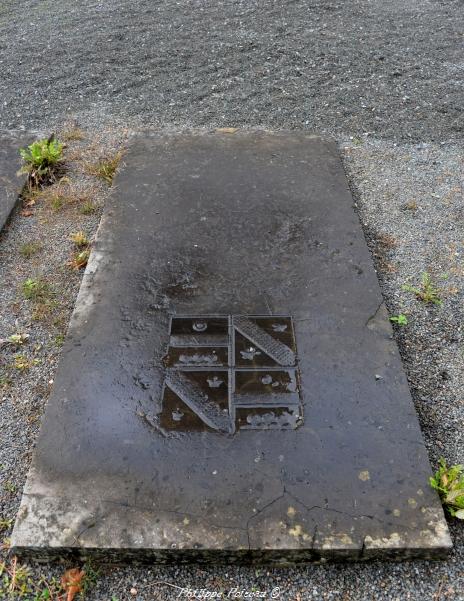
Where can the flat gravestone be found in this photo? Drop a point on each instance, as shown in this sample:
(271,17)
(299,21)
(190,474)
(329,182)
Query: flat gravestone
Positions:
(10,163)
(230,389)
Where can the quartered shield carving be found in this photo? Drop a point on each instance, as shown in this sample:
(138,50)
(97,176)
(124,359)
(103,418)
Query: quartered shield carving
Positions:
(228,373)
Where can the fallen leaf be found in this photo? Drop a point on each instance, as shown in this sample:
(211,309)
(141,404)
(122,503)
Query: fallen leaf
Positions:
(226,130)
(26,213)
(30,203)
(71,581)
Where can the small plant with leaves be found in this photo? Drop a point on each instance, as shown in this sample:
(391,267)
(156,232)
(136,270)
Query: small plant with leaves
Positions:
(18,339)
(23,363)
(17,582)
(5,524)
(9,486)
(427,292)
(400,319)
(449,483)
(59,340)
(41,161)
(36,289)
(80,259)
(90,579)
(15,340)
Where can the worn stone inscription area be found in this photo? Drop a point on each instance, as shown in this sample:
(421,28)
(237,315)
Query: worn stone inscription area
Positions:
(228,373)
(230,389)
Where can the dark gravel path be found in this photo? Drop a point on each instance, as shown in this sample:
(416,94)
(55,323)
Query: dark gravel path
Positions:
(391,67)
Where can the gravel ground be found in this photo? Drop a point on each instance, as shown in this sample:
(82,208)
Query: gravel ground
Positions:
(385,78)
(391,67)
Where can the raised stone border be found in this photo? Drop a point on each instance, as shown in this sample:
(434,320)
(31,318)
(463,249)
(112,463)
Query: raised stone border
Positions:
(10,162)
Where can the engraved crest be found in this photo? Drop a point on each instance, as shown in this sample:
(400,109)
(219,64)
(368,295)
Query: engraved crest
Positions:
(229,373)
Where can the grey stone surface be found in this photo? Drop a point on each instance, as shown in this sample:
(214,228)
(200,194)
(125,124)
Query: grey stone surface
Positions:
(242,225)
(10,162)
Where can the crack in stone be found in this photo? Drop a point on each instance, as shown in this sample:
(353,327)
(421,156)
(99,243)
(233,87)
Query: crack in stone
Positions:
(354,516)
(174,512)
(86,528)
(374,315)
(259,511)
(363,548)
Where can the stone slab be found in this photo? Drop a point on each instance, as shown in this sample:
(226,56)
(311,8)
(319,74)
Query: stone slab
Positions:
(229,389)
(10,163)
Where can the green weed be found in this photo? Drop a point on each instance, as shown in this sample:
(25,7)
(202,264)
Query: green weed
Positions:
(18,339)
(17,582)
(59,340)
(87,208)
(5,525)
(9,486)
(400,320)
(90,578)
(427,292)
(449,482)
(105,168)
(23,363)
(80,259)
(36,289)
(41,159)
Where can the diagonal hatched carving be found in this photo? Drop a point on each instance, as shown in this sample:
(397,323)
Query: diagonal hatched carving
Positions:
(198,401)
(277,350)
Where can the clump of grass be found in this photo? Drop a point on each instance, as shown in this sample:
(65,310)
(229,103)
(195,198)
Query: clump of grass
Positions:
(427,292)
(41,161)
(105,168)
(59,340)
(386,242)
(41,294)
(410,206)
(449,483)
(56,200)
(90,578)
(9,486)
(29,249)
(5,379)
(61,194)
(72,134)
(80,258)
(17,582)
(44,310)
(36,289)
(80,239)
(87,208)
